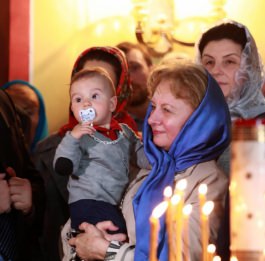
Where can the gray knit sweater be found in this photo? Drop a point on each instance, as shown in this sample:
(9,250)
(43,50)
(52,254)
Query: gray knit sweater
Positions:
(101,166)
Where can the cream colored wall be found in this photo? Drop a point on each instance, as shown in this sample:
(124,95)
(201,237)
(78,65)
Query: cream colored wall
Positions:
(61,30)
(249,13)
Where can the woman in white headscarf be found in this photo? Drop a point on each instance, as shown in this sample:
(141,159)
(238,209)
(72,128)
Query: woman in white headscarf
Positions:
(228,50)
(229,53)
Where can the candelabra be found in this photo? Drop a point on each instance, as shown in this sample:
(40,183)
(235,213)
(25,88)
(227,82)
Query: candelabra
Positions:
(160,27)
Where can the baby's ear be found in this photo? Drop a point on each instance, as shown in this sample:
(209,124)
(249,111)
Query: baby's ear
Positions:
(113,103)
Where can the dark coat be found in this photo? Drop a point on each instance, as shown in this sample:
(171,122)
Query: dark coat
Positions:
(57,212)
(14,153)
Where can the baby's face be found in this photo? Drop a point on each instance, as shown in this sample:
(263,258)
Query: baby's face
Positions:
(90,94)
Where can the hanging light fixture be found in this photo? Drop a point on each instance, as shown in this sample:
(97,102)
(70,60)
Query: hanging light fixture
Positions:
(162,24)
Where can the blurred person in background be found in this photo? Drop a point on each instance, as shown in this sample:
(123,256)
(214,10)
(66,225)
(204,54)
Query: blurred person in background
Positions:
(21,190)
(29,99)
(140,64)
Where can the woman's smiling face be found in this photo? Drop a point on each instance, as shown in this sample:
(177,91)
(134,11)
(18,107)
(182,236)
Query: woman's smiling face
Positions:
(168,115)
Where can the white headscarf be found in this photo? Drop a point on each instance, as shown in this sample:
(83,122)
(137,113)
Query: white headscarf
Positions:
(246,100)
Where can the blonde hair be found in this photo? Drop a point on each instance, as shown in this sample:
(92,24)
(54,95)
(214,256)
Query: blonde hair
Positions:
(94,72)
(187,80)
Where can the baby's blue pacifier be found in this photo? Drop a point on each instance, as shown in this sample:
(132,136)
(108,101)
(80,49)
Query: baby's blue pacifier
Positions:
(88,114)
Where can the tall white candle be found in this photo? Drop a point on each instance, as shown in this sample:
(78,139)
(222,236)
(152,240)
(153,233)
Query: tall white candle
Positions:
(186,214)
(206,211)
(169,223)
(179,192)
(158,211)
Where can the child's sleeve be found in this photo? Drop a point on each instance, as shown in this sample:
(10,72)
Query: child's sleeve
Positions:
(67,156)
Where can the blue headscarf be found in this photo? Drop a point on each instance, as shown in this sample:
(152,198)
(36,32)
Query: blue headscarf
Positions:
(42,127)
(204,137)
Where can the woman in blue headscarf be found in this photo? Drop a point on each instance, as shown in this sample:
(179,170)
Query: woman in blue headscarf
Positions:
(186,129)
(29,99)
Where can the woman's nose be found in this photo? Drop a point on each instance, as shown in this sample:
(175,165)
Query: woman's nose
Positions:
(154,117)
(216,69)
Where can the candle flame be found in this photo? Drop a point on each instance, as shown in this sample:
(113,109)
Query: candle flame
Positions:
(211,248)
(160,209)
(187,209)
(203,189)
(181,185)
(207,208)
(216,258)
(168,192)
(233,258)
(175,199)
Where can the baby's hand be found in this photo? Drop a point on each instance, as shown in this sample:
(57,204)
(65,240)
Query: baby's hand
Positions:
(81,129)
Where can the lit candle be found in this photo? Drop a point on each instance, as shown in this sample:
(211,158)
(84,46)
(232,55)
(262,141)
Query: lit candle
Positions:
(181,186)
(169,223)
(211,250)
(174,202)
(216,258)
(202,199)
(179,194)
(206,211)
(186,213)
(154,228)
(202,195)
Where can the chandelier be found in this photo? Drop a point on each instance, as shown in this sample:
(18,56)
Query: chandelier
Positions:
(162,24)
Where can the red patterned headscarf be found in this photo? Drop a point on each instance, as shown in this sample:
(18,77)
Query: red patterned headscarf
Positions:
(123,89)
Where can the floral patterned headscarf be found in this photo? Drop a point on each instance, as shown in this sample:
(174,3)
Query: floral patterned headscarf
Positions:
(123,89)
